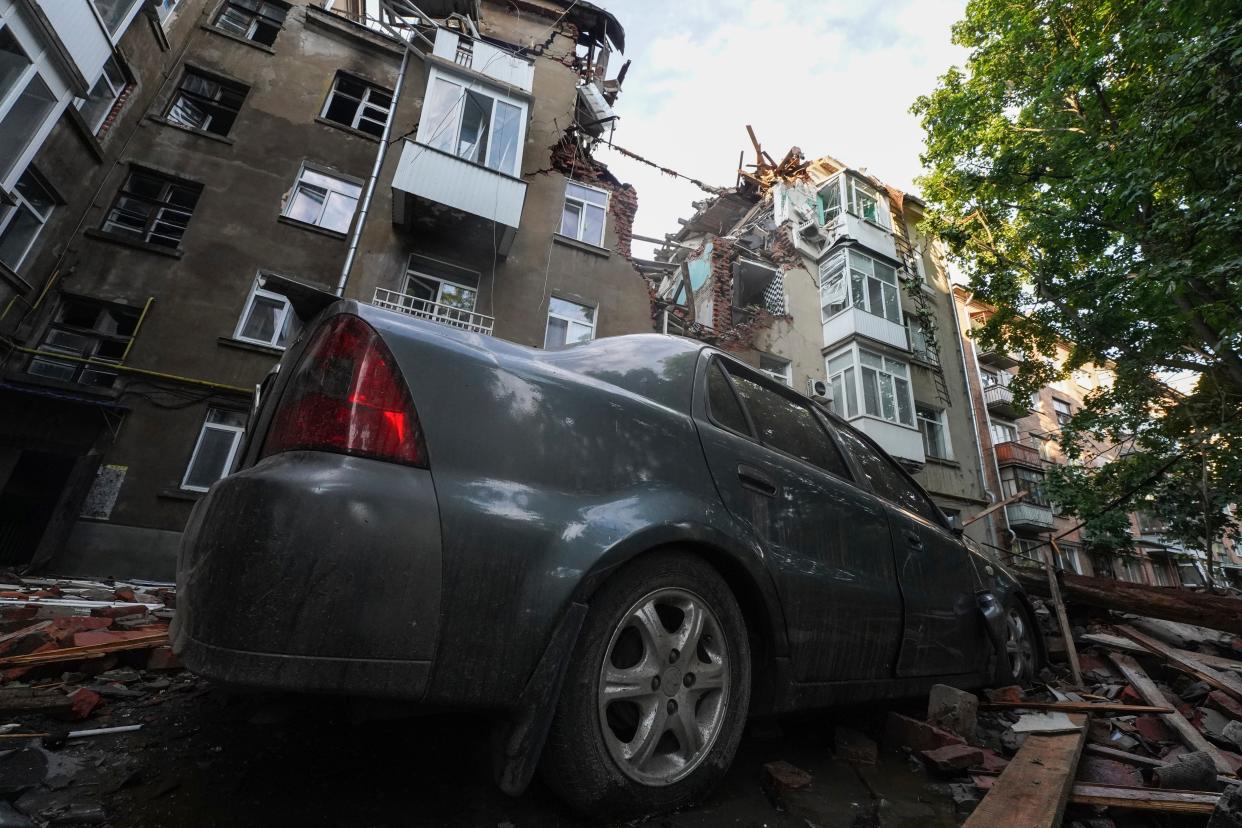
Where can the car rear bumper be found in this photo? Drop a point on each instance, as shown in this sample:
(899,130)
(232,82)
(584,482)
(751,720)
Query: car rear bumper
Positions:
(315,572)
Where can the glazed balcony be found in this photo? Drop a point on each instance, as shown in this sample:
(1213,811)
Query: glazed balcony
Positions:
(459,318)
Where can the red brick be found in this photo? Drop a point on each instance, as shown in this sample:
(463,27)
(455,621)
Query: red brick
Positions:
(118,612)
(26,640)
(1222,703)
(84,702)
(1107,772)
(11,613)
(66,626)
(163,658)
(1130,696)
(902,731)
(1154,729)
(952,758)
(95,638)
(992,762)
(124,594)
(9,593)
(782,776)
(1090,661)
(1012,693)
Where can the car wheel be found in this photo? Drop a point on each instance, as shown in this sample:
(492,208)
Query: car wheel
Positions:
(1021,649)
(655,699)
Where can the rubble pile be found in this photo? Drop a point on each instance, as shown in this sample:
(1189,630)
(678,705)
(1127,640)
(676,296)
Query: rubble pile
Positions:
(79,661)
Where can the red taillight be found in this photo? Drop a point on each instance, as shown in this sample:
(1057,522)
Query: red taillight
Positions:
(347,395)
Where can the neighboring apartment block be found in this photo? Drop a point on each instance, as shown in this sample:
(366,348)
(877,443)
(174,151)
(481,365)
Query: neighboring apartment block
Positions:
(434,160)
(1019,441)
(817,274)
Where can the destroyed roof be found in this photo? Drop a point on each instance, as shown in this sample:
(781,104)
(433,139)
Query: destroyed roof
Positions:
(595,25)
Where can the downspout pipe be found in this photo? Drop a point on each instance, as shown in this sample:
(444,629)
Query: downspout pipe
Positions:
(380,155)
(974,423)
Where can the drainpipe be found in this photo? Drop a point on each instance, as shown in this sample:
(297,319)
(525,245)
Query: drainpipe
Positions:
(375,171)
(970,399)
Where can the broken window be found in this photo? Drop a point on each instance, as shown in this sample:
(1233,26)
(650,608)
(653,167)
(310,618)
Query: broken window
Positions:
(865,202)
(216,448)
(1016,479)
(872,286)
(85,329)
(267,319)
(323,200)
(584,214)
(358,105)
(829,200)
(256,20)
(98,103)
(934,430)
(920,342)
(473,123)
(206,104)
(568,322)
(21,223)
(152,207)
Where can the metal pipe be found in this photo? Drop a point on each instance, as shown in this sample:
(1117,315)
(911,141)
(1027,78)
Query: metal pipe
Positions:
(970,408)
(137,327)
(380,155)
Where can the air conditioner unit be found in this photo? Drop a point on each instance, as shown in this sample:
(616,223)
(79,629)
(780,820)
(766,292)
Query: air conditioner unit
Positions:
(819,391)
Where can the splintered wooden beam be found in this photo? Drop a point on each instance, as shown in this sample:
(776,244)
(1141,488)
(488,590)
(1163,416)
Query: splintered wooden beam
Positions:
(1035,786)
(1078,707)
(1058,605)
(1125,645)
(1144,799)
(1146,688)
(1216,612)
(1225,682)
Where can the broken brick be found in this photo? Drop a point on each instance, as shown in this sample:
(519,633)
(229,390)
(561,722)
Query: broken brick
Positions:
(1153,729)
(902,731)
(163,658)
(26,640)
(853,746)
(96,638)
(953,758)
(1224,703)
(84,702)
(1130,696)
(118,612)
(125,594)
(23,613)
(1012,693)
(993,762)
(1107,772)
(781,776)
(66,626)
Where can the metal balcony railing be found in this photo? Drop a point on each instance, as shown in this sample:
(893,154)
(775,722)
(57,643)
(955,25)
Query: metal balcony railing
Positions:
(461,318)
(1013,453)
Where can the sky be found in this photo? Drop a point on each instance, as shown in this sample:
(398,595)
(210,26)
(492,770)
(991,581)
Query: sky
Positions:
(833,77)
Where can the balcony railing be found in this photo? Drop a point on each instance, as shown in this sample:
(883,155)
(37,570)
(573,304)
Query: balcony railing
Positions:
(1011,453)
(1029,516)
(999,400)
(426,309)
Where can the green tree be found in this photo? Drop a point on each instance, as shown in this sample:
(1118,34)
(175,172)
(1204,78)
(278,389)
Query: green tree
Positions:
(1085,169)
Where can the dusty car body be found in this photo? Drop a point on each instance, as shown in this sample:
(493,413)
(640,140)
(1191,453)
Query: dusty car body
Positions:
(463,572)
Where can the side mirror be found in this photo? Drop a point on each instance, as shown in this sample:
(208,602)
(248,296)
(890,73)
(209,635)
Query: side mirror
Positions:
(955,524)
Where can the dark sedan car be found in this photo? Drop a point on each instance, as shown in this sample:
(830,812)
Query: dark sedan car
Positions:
(621,549)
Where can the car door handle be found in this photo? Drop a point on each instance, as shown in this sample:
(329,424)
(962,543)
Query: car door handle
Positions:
(756,480)
(914,540)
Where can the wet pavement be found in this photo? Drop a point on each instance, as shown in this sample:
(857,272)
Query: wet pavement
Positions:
(209,757)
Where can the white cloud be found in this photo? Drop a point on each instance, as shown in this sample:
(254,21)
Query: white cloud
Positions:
(834,78)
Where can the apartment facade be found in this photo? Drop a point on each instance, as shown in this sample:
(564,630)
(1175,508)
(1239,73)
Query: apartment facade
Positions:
(1019,441)
(816,273)
(435,160)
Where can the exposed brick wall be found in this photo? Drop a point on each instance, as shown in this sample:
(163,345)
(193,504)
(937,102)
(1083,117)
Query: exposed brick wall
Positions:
(116,111)
(572,161)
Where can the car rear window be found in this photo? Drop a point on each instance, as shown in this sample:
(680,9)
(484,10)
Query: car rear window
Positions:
(789,426)
(723,405)
(886,478)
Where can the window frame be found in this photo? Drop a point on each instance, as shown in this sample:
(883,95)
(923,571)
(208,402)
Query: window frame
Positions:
(594,309)
(1068,413)
(783,376)
(256,16)
(583,206)
(362,103)
(996,425)
(851,203)
(286,325)
(40,69)
(156,208)
(122,21)
(95,337)
(318,169)
(8,213)
(860,396)
(81,103)
(916,332)
(1015,478)
(941,422)
(209,106)
(457,110)
(861,301)
(239,433)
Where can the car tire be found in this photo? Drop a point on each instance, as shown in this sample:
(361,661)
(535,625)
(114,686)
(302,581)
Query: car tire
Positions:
(1022,650)
(643,725)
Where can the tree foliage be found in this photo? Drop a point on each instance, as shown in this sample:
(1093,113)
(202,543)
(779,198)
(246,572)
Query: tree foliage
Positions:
(1085,169)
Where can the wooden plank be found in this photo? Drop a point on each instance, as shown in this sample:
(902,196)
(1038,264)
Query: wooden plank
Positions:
(1142,761)
(75,653)
(1116,642)
(994,507)
(1059,606)
(1151,694)
(1212,611)
(1035,786)
(1115,708)
(1221,681)
(1144,799)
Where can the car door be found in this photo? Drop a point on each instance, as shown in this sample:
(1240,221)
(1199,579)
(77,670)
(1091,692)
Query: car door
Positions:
(943,631)
(826,539)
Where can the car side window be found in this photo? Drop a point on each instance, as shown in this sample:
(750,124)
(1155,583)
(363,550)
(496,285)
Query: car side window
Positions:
(886,478)
(787,425)
(722,403)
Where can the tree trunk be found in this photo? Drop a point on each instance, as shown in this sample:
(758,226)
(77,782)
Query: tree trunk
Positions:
(1205,610)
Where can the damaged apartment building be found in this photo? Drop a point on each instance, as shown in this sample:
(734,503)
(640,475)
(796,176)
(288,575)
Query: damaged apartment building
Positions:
(168,167)
(816,274)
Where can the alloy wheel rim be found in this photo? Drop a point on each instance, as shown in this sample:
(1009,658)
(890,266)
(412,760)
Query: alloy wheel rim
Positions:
(1018,645)
(663,686)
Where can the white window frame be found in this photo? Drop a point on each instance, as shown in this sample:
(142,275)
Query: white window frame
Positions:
(941,422)
(255,18)
(584,205)
(363,103)
(853,186)
(428,132)
(20,203)
(286,315)
(853,262)
(884,376)
(916,333)
(996,427)
(42,67)
(122,22)
(116,91)
(784,374)
(1073,555)
(1057,412)
(570,321)
(335,176)
(237,431)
